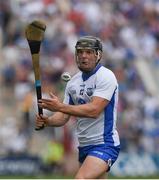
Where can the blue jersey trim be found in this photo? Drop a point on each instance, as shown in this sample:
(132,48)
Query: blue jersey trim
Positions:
(85,76)
(108,121)
(70,100)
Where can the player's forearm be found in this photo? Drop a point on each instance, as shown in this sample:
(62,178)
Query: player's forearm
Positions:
(58,119)
(85,110)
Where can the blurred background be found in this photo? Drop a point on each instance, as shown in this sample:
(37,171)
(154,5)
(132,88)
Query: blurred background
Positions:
(129,30)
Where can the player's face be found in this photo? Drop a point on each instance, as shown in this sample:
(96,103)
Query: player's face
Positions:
(86,59)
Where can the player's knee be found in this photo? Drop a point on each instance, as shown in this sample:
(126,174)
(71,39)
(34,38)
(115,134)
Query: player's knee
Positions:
(80,176)
(84,176)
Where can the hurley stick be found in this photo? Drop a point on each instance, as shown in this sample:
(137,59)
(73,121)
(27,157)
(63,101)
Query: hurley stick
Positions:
(34,34)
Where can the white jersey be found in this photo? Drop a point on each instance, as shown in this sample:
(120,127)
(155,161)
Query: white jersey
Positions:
(80,90)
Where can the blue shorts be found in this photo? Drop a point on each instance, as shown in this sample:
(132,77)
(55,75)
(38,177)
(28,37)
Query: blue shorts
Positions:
(107,153)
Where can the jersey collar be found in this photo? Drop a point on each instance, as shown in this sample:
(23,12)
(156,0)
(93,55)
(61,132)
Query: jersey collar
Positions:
(85,76)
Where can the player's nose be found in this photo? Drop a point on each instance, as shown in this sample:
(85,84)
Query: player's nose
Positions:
(84,54)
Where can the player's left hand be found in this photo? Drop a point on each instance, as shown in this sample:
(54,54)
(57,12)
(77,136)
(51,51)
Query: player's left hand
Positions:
(51,104)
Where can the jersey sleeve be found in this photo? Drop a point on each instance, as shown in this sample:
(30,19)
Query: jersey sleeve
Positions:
(67,96)
(106,84)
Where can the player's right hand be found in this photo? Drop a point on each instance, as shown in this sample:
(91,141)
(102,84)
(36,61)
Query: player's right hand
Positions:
(41,120)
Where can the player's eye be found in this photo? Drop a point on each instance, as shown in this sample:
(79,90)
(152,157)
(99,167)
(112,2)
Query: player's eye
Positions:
(79,52)
(86,51)
(89,51)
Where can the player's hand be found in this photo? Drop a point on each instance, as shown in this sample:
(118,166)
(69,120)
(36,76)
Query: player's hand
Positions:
(52,104)
(41,120)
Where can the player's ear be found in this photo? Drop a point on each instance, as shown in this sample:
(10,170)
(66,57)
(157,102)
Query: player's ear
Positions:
(99,55)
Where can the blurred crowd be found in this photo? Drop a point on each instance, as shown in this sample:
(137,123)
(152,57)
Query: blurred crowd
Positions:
(129,30)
